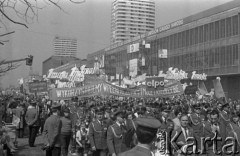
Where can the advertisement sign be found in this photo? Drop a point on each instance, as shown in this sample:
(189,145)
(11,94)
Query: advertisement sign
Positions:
(155,83)
(133,48)
(162,53)
(191,90)
(133,67)
(36,87)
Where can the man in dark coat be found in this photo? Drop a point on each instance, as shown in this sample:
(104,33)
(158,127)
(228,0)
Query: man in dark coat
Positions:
(215,128)
(52,131)
(98,135)
(146,131)
(32,120)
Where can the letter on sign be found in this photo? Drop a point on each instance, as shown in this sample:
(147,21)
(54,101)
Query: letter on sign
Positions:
(155,83)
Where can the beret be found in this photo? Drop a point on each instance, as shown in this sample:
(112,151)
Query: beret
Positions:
(148,122)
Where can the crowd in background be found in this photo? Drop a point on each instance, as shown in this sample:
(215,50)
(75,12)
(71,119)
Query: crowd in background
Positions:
(107,125)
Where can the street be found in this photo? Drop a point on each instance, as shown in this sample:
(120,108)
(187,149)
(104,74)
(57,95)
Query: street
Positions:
(25,150)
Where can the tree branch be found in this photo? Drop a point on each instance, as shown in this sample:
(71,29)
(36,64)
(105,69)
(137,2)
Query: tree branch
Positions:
(7,33)
(12,20)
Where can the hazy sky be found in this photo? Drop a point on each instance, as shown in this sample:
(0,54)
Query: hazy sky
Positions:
(89,22)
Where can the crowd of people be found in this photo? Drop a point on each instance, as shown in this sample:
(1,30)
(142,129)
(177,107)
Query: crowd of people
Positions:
(120,126)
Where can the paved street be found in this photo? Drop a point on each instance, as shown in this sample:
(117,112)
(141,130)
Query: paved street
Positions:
(25,150)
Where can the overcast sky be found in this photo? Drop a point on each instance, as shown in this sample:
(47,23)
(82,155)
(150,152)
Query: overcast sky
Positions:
(89,22)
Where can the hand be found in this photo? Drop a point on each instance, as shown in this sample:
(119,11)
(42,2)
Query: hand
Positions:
(94,148)
(114,154)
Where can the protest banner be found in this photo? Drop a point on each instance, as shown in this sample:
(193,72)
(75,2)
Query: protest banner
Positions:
(36,87)
(106,89)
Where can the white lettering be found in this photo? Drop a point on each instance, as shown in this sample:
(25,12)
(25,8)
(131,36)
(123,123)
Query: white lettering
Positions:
(198,76)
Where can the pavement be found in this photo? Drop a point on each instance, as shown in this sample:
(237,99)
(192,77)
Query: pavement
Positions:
(25,150)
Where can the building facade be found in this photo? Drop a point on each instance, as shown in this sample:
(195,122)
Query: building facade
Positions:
(130,18)
(64,46)
(207,42)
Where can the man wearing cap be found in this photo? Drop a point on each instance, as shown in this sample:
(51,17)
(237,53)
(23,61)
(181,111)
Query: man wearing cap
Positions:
(115,135)
(146,131)
(164,117)
(52,131)
(32,120)
(66,131)
(196,123)
(224,114)
(98,135)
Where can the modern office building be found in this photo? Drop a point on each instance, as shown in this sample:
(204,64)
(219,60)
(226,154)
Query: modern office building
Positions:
(207,42)
(131,18)
(65,46)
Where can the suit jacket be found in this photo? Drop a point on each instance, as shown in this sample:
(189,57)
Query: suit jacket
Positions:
(224,117)
(32,117)
(52,131)
(137,151)
(179,137)
(163,123)
(98,135)
(197,126)
(115,139)
(222,133)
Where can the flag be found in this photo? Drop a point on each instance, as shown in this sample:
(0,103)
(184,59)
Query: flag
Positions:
(202,88)
(219,93)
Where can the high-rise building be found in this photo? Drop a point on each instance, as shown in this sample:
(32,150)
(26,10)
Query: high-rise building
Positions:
(65,46)
(131,18)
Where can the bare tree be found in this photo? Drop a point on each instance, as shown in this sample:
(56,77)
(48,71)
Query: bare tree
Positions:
(23,13)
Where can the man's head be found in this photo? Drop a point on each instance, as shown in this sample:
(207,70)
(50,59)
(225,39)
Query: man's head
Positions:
(99,114)
(226,107)
(147,128)
(197,108)
(119,116)
(165,111)
(56,108)
(184,120)
(214,116)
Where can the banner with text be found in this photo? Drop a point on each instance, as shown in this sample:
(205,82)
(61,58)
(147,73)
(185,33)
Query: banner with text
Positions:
(104,88)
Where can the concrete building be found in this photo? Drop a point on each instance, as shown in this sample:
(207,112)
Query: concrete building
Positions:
(131,18)
(207,42)
(65,46)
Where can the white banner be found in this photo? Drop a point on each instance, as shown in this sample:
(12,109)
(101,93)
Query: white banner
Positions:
(133,67)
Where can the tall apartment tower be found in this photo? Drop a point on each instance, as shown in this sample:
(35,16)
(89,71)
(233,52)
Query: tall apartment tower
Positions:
(131,18)
(65,46)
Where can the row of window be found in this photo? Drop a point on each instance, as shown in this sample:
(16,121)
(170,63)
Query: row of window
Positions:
(210,58)
(212,31)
